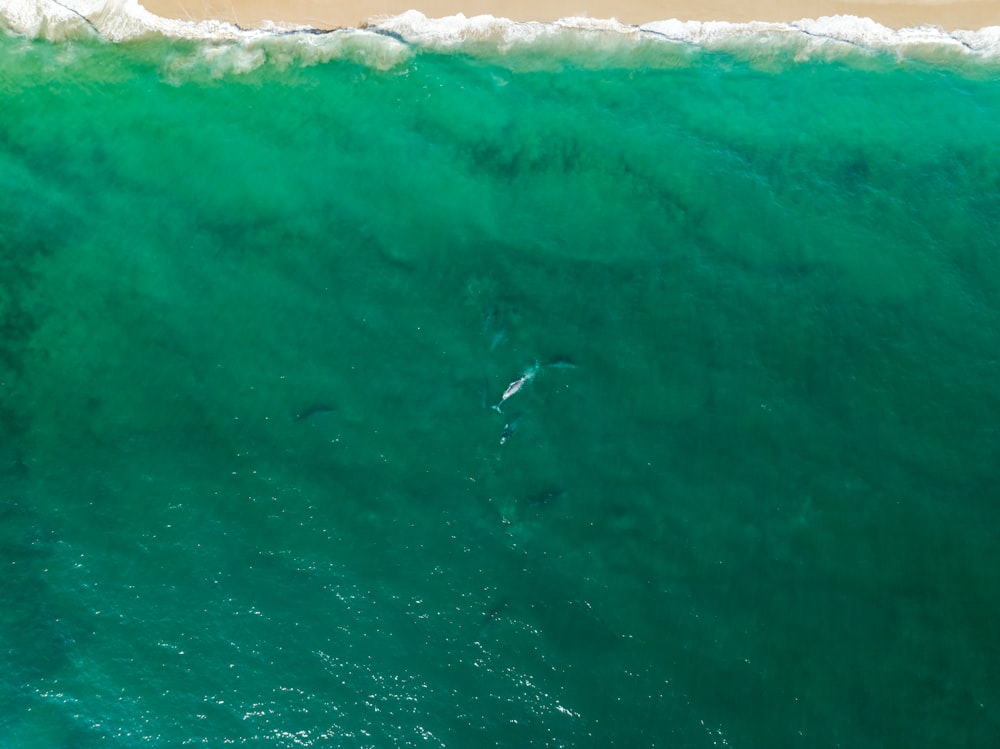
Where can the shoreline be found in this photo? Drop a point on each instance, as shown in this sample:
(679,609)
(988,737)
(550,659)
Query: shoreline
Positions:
(967,15)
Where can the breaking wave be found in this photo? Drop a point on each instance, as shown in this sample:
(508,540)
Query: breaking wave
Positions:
(387,41)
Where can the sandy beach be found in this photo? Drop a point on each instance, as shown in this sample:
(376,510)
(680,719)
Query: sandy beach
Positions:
(964,14)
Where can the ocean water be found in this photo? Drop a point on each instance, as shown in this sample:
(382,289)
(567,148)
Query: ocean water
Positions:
(260,298)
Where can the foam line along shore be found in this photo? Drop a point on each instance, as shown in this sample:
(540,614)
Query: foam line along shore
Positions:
(896,14)
(119,20)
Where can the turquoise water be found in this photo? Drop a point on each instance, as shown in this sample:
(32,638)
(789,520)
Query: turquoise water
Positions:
(255,315)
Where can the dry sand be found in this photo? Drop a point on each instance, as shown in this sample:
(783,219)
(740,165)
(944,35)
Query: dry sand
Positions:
(962,14)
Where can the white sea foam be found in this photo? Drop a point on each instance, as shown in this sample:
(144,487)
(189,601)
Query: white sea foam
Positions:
(115,20)
(121,20)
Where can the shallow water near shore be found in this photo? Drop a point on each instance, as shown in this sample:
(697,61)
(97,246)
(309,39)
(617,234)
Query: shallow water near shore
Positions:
(256,314)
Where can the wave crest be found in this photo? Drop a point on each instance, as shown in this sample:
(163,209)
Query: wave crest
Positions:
(383,42)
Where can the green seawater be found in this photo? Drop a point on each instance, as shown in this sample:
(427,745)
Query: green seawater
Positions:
(256,311)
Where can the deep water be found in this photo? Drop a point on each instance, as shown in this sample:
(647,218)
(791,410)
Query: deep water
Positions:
(255,313)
